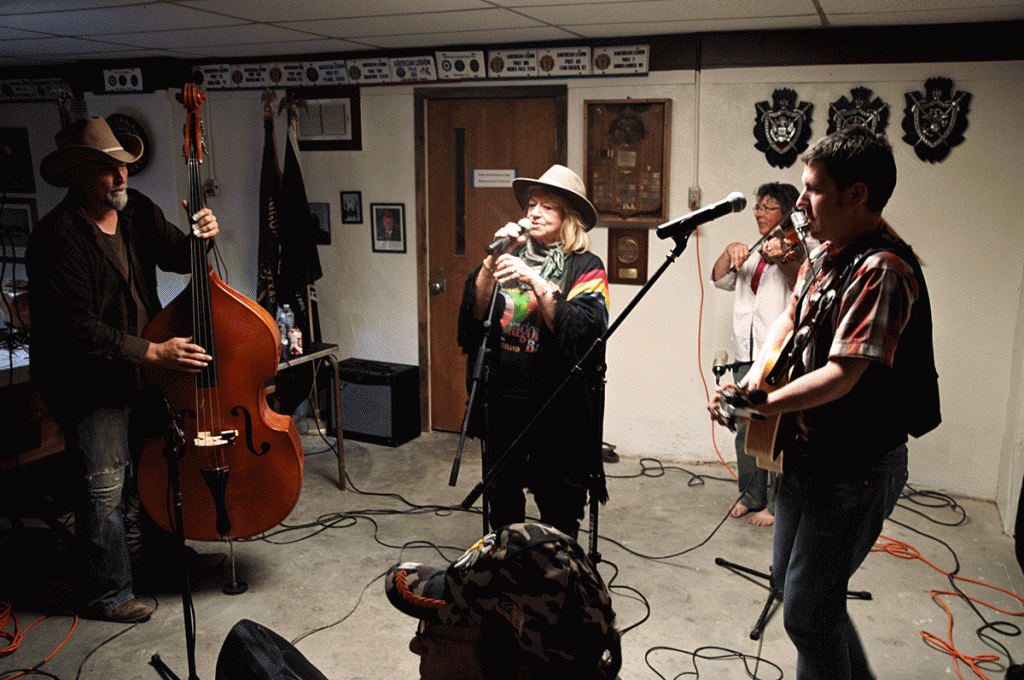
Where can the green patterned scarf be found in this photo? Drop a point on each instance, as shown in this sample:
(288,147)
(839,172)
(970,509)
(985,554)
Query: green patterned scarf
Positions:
(547,261)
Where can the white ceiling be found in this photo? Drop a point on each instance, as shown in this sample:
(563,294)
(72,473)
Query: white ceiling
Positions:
(61,31)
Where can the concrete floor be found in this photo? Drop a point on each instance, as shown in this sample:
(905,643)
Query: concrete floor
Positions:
(317,577)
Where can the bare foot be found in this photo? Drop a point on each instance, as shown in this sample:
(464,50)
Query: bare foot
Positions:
(738,510)
(762,519)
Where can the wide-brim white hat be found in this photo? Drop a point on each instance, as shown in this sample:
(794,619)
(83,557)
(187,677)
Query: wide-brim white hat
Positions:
(565,182)
(83,141)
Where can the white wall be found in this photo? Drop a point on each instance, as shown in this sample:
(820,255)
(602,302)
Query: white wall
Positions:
(961,216)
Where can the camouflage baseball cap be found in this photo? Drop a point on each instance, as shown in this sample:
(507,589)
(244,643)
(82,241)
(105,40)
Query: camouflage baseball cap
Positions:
(529,577)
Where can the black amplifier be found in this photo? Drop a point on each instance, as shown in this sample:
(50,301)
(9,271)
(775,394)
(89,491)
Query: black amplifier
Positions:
(380,401)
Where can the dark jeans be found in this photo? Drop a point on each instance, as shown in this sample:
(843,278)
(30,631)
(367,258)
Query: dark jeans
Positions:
(824,529)
(98,443)
(757,486)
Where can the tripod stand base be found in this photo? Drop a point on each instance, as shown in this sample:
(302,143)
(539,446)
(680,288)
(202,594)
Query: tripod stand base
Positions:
(235,587)
(773,595)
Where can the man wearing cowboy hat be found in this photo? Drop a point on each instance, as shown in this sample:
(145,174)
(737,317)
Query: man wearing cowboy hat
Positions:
(551,307)
(92,265)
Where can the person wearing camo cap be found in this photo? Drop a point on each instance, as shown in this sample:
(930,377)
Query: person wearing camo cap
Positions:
(524,603)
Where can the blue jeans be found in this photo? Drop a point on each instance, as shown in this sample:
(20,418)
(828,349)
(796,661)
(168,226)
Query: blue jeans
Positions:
(824,529)
(98,443)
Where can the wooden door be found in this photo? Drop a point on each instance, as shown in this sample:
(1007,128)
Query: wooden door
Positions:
(499,132)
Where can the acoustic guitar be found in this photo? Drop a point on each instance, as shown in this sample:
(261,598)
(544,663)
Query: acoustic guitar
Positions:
(761,432)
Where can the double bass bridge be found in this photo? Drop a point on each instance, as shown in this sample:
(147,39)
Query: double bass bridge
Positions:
(225,438)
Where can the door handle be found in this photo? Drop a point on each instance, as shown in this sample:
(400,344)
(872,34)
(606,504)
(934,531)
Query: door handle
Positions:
(437,286)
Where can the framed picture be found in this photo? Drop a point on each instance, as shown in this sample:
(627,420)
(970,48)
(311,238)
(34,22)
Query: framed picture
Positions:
(321,212)
(351,207)
(16,172)
(387,227)
(17,218)
(627,256)
(329,119)
(626,162)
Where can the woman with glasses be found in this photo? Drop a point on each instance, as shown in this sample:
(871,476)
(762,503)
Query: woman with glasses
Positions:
(762,281)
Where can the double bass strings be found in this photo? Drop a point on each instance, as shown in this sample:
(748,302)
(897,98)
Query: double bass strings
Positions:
(207,405)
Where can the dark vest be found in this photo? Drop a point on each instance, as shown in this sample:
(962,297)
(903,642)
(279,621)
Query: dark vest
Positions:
(887,404)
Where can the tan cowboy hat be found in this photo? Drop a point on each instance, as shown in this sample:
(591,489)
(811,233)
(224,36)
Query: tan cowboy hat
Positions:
(565,182)
(83,141)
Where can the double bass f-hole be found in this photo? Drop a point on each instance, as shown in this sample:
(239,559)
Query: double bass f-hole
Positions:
(227,437)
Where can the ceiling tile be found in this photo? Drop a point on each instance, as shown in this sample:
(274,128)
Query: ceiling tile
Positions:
(927,16)
(27,6)
(301,10)
(263,51)
(667,10)
(14,34)
(884,7)
(697,26)
(156,17)
(205,37)
(437,22)
(499,37)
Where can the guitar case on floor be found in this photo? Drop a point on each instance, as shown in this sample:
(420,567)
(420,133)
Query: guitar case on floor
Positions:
(254,652)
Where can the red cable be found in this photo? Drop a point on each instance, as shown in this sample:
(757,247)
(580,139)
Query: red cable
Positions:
(700,361)
(909,552)
(6,614)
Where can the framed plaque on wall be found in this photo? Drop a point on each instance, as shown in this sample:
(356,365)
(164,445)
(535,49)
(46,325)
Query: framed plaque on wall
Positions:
(627,256)
(626,163)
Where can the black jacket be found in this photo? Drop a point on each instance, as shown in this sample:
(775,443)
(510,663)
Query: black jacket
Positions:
(85,348)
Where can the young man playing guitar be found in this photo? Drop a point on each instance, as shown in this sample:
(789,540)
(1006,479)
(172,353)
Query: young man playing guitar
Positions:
(862,380)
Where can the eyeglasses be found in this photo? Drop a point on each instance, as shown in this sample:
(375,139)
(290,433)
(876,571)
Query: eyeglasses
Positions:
(425,631)
(766,208)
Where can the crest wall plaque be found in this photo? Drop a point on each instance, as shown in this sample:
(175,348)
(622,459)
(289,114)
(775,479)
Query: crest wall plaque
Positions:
(935,120)
(782,128)
(626,164)
(862,110)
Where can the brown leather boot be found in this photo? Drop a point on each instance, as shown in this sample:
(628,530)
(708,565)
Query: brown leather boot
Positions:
(131,611)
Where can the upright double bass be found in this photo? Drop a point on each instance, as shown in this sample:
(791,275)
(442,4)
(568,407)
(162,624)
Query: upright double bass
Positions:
(241,470)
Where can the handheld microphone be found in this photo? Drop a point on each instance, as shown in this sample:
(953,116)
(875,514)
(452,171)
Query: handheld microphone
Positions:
(501,244)
(682,226)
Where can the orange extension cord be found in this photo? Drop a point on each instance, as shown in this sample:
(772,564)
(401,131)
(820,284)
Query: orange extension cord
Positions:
(908,552)
(700,360)
(6,614)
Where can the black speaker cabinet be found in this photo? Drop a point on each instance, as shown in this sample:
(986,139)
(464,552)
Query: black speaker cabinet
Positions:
(380,402)
(254,652)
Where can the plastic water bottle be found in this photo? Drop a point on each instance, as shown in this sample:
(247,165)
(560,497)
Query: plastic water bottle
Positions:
(285,322)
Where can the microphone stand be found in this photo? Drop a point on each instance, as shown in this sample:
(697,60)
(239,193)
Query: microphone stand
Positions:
(680,238)
(174,450)
(481,367)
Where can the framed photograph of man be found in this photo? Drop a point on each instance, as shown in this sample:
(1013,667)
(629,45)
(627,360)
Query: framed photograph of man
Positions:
(351,207)
(387,227)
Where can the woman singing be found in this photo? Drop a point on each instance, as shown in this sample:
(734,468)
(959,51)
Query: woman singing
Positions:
(551,307)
